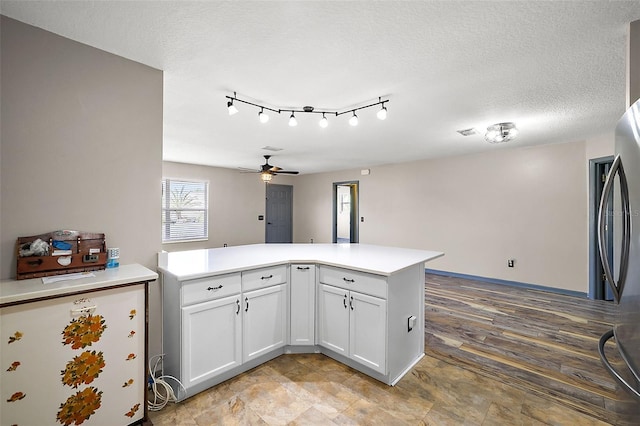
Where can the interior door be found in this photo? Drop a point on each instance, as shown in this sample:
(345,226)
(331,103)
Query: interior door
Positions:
(279,214)
(345,212)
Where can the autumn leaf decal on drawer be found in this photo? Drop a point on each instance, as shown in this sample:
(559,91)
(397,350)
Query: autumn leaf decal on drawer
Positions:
(16,336)
(83,331)
(80,406)
(84,368)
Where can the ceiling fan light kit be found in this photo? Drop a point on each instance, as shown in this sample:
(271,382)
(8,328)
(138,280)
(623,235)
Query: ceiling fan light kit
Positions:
(324,121)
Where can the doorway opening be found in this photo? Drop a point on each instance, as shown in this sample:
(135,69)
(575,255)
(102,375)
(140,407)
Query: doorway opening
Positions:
(598,171)
(279,214)
(345,212)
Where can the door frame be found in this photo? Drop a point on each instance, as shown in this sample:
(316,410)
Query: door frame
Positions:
(596,289)
(354,229)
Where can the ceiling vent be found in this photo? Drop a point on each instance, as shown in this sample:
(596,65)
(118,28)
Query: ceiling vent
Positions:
(271,148)
(467,132)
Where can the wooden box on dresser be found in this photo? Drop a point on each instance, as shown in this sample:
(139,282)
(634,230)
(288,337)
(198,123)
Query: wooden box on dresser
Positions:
(75,351)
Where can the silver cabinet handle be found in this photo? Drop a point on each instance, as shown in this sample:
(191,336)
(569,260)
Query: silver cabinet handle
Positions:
(214,288)
(616,287)
(83,310)
(238,304)
(344,301)
(603,340)
(267,278)
(351,303)
(246,300)
(348,280)
(303,268)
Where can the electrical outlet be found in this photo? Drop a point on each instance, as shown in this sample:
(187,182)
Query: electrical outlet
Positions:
(511,263)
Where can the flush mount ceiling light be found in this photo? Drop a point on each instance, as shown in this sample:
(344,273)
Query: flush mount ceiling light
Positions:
(501,132)
(324,122)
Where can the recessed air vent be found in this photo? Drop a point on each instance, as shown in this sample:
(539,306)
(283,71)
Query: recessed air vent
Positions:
(468,132)
(271,148)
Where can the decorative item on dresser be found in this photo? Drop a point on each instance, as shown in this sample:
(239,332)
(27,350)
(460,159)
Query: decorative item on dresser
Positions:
(60,252)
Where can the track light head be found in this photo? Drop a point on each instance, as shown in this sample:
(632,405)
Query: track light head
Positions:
(231,107)
(382,113)
(292,120)
(323,121)
(354,119)
(262,116)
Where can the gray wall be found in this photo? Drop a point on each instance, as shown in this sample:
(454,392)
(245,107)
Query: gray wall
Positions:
(81,146)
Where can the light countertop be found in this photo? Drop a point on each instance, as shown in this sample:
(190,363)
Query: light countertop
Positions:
(379,260)
(13,291)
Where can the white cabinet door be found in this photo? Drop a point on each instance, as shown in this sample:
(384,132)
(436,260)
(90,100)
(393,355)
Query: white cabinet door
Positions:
(367,331)
(264,322)
(211,339)
(333,327)
(303,301)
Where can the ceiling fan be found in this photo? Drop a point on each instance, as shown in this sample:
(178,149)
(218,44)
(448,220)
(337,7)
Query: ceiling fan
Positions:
(267,171)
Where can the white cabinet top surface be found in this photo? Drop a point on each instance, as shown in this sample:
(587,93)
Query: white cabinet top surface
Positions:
(378,260)
(19,291)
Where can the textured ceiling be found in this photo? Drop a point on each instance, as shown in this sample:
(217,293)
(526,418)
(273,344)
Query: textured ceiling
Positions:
(557,69)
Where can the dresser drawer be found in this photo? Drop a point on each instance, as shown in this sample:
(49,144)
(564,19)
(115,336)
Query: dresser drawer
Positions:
(264,277)
(373,285)
(209,288)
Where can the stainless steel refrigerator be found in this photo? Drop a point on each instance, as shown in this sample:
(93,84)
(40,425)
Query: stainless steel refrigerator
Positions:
(623,270)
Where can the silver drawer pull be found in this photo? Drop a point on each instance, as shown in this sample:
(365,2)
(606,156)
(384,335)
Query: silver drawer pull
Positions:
(303,268)
(349,280)
(266,278)
(83,310)
(214,288)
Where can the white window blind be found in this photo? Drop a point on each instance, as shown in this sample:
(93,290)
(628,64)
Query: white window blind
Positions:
(184,210)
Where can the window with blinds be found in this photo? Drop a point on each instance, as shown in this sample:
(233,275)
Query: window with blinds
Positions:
(184,210)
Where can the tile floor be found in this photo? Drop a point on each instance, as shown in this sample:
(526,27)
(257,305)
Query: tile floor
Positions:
(313,389)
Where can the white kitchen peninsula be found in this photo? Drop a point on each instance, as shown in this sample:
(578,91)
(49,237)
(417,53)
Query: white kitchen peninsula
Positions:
(227,310)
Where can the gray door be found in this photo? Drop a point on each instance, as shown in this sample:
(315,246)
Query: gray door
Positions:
(279,213)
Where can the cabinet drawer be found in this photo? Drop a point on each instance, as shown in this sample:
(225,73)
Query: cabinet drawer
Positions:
(209,288)
(374,285)
(264,277)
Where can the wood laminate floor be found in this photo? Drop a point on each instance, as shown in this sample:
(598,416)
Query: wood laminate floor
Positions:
(495,355)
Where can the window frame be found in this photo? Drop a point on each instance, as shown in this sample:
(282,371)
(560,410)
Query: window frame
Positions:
(166,210)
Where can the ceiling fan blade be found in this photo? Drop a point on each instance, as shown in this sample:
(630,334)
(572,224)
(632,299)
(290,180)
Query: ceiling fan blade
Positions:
(275,169)
(288,172)
(246,170)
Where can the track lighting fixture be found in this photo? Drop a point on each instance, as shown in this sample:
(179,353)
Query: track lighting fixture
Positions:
(501,132)
(354,119)
(324,122)
(263,116)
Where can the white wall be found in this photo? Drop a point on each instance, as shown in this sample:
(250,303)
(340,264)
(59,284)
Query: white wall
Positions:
(524,203)
(81,147)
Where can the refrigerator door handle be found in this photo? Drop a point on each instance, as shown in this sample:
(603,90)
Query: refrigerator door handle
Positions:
(603,340)
(616,287)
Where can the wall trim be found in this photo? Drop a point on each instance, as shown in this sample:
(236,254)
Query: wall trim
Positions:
(507,283)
